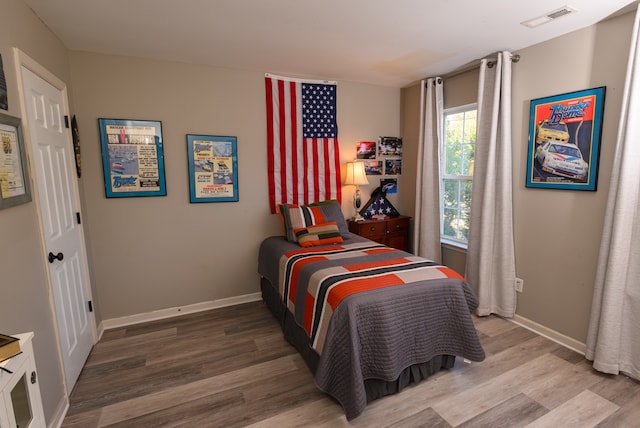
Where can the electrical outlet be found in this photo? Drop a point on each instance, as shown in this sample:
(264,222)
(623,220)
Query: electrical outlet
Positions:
(519,285)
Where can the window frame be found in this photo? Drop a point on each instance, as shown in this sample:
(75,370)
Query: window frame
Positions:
(446,240)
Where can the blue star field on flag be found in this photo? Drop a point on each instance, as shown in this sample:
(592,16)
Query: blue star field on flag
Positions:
(319,111)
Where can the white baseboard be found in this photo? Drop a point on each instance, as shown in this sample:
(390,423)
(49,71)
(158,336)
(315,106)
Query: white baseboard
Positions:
(178,310)
(61,412)
(550,334)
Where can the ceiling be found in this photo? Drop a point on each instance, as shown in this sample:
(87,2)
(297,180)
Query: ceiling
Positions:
(382,42)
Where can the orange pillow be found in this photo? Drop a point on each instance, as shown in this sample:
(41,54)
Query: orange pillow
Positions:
(319,234)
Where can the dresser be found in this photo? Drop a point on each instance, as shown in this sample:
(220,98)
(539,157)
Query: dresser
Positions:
(20,402)
(393,232)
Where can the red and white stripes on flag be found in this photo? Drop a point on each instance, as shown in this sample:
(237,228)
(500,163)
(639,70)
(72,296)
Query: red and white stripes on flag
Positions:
(302,134)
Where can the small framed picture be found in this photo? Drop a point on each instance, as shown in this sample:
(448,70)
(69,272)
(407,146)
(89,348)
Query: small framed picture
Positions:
(373,167)
(213,168)
(564,140)
(392,166)
(366,150)
(389,146)
(14,178)
(132,158)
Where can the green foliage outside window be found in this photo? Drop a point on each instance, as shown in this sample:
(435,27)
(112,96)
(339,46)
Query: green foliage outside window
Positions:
(457,172)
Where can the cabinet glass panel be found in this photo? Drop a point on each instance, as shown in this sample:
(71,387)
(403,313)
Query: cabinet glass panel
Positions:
(20,401)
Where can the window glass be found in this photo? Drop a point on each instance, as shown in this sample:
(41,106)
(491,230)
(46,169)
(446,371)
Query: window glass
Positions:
(457,156)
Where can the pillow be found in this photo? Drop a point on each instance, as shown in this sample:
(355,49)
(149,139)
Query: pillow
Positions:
(295,217)
(319,234)
(314,204)
(333,212)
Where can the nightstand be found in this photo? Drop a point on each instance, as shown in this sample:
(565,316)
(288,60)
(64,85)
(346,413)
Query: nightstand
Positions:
(393,232)
(20,401)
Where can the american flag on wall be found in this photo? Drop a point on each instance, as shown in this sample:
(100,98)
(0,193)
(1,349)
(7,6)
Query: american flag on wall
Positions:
(302,134)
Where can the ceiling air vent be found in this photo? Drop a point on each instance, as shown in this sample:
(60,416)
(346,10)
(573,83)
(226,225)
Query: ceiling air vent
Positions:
(565,10)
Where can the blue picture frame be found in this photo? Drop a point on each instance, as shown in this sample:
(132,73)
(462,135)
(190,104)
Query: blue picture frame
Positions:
(564,140)
(132,158)
(213,168)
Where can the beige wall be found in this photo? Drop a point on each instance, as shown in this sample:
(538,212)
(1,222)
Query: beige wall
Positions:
(557,232)
(161,252)
(24,301)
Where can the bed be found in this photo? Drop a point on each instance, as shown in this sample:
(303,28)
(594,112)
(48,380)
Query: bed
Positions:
(367,319)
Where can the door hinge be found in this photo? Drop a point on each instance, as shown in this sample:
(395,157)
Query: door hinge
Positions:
(66,121)
(90,306)
(78,218)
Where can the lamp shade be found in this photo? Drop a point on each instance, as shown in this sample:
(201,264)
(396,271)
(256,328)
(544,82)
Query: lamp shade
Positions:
(355,173)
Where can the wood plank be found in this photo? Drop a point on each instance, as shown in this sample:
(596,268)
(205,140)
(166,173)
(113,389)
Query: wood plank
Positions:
(426,418)
(461,406)
(626,416)
(515,412)
(169,397)
(584,410)
(564,384)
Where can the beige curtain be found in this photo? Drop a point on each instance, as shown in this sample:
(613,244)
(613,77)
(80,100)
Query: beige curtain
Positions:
(490,254)
(613,341)
(426,230)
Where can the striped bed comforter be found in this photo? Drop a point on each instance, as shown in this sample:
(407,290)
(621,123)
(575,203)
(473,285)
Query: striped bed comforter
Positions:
(317,280)
(370,311)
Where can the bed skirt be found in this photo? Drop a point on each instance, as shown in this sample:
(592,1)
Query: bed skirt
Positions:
(375,388)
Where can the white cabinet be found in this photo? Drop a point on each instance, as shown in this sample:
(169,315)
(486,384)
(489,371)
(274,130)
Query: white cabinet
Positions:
(20,401)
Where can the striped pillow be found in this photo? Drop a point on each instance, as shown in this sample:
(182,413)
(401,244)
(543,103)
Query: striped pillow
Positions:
(296,216)
(319,234)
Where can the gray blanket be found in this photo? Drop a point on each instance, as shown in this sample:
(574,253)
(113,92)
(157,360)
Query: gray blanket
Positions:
(377,334)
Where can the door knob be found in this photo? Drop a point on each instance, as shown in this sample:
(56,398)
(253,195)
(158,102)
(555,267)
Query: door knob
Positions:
(53,257)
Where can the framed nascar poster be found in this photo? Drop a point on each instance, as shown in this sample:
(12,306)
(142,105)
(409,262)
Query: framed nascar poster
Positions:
(132,158)
(213,168)
(564,140)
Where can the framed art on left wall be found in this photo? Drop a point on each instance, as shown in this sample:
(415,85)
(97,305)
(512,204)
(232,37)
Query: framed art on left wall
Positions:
(132,158)
(14,177)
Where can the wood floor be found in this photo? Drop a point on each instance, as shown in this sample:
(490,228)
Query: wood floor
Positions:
(231,367)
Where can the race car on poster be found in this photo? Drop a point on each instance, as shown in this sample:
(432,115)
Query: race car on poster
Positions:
(117,168)
(550,131)
(562,159)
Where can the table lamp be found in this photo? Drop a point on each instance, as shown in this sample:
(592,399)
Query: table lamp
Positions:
(356,176)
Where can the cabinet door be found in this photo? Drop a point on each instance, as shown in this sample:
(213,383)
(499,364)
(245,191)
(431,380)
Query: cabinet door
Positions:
(20,402)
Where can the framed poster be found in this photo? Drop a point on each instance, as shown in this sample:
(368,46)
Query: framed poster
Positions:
(564,140)
(132,158)
(14,178)
(213,168)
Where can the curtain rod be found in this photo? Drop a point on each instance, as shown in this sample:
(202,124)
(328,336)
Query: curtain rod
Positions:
(475,64)
(514,58)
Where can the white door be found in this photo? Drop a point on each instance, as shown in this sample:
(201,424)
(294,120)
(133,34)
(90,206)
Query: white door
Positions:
(54,171)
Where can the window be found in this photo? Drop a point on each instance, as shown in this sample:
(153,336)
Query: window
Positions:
(457,154)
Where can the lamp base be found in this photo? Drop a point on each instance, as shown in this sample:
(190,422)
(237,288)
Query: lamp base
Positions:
(357,203)
(357,217)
